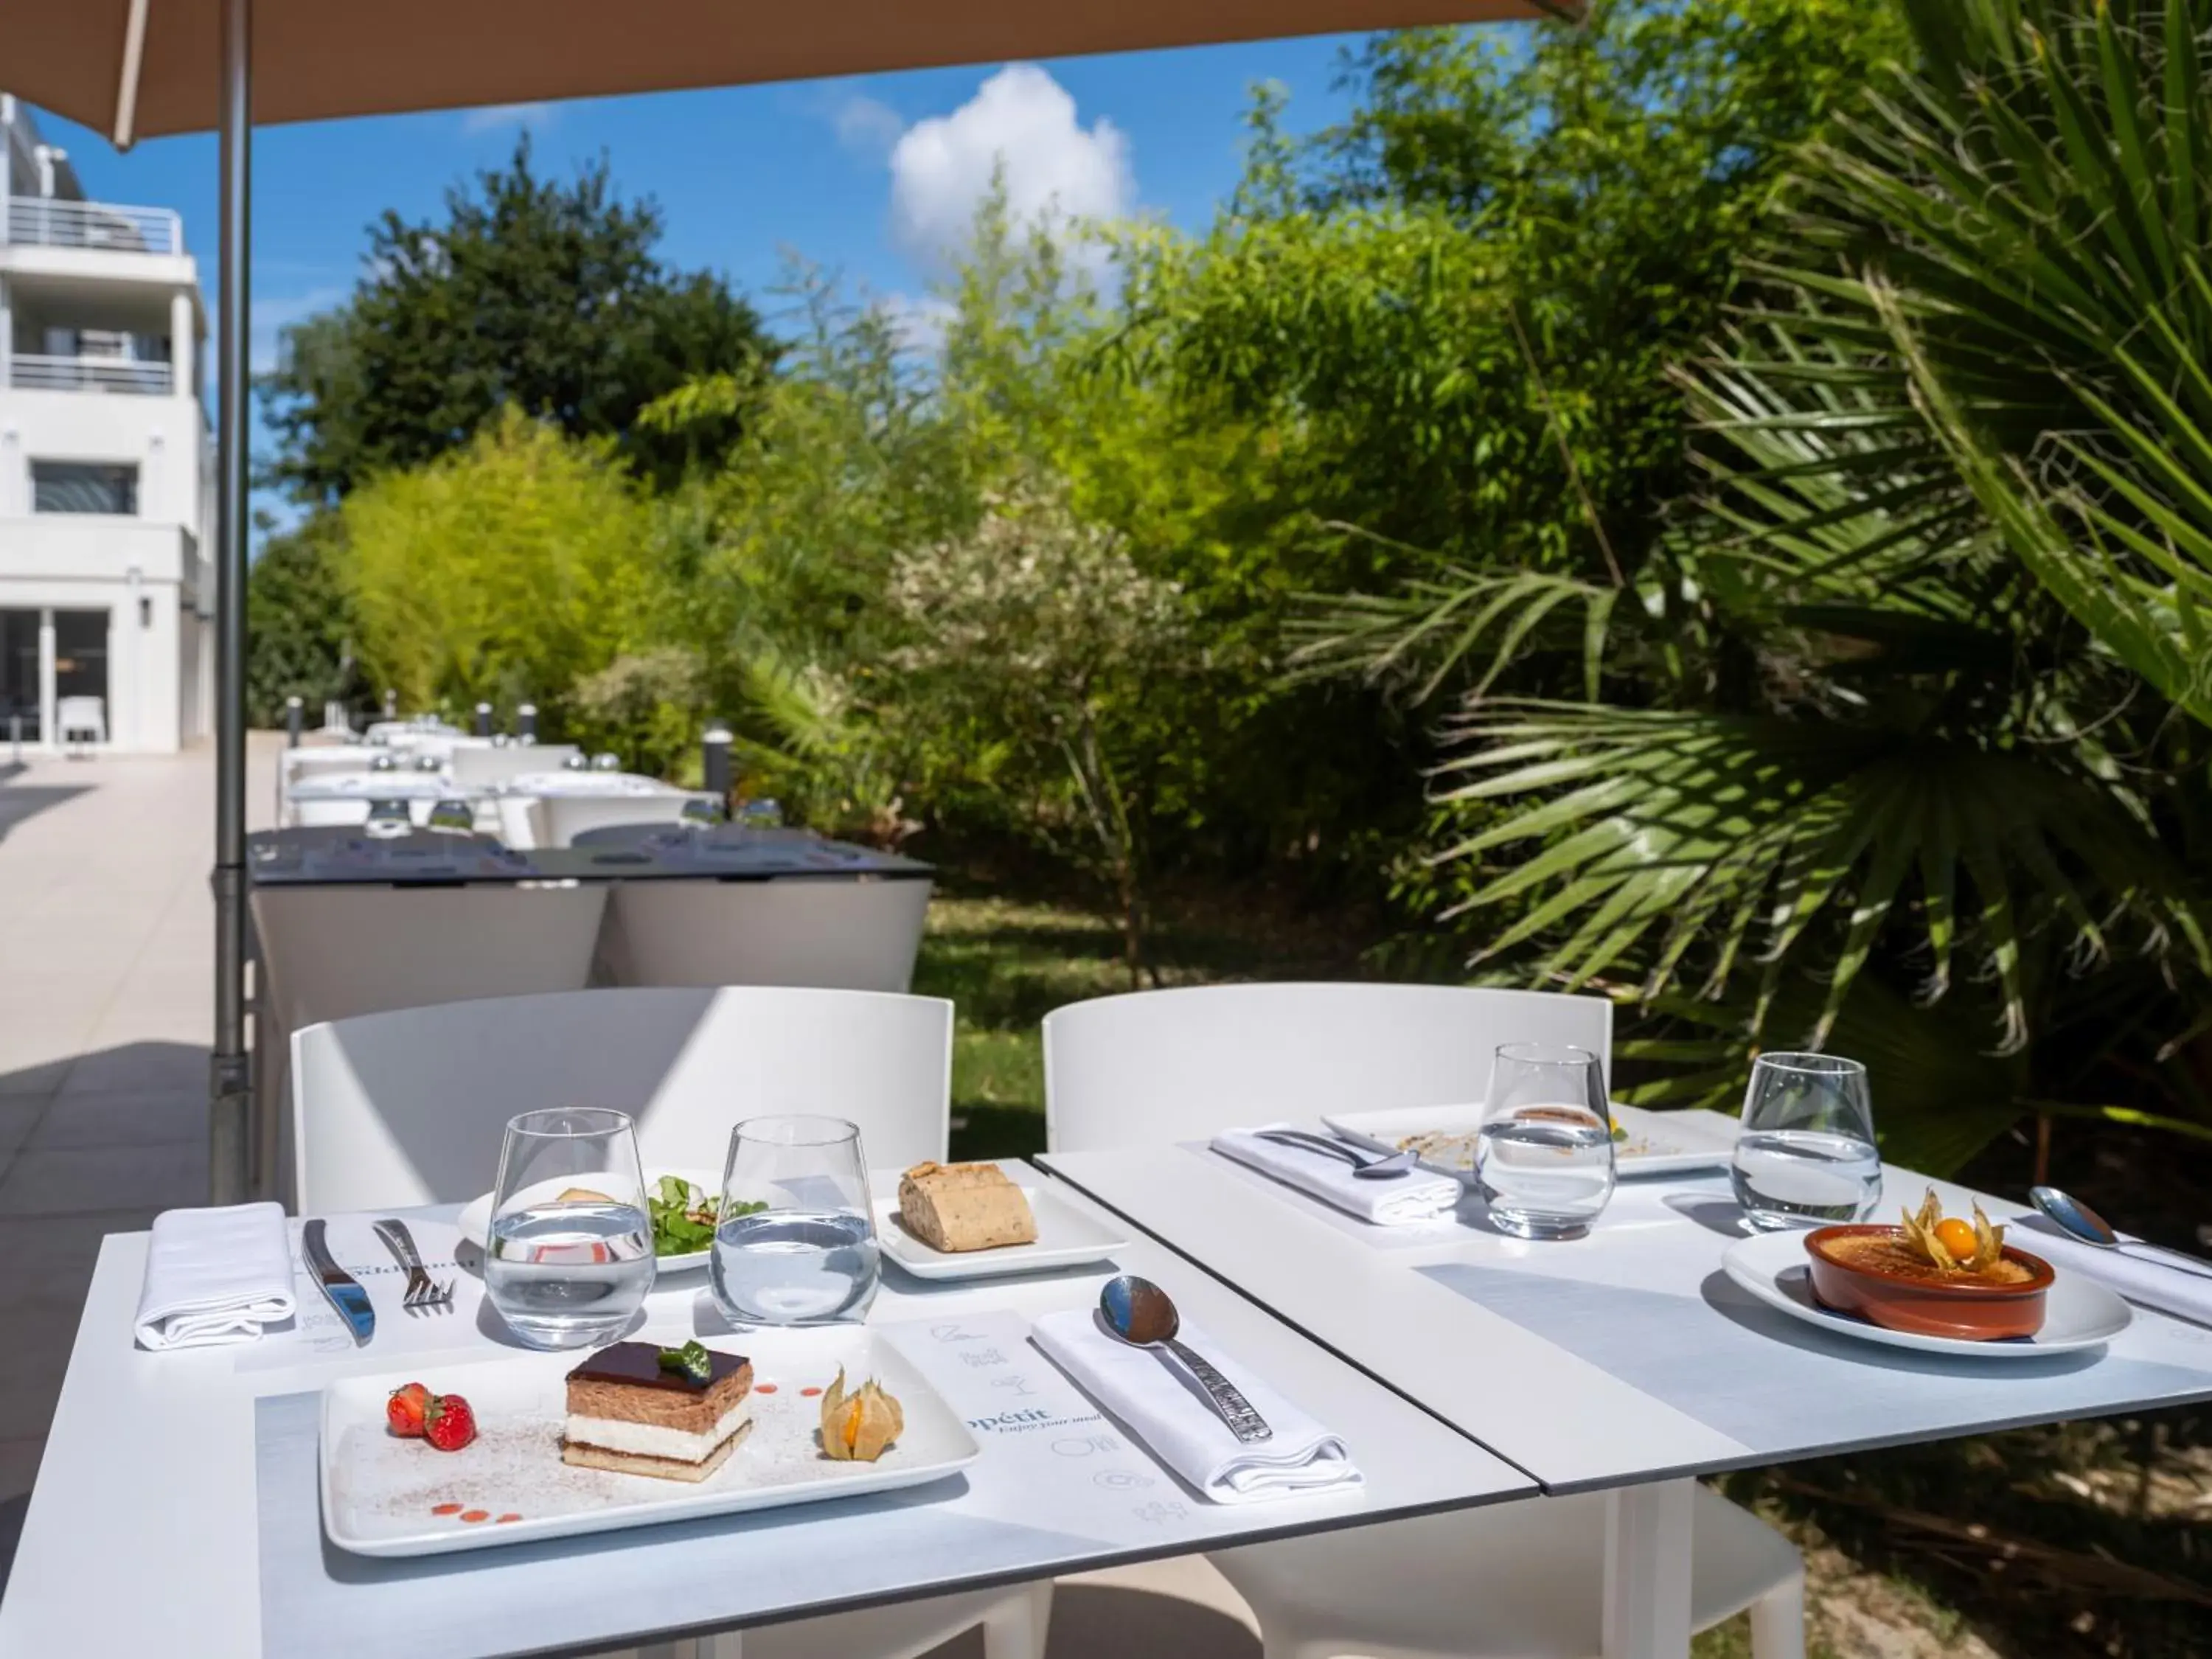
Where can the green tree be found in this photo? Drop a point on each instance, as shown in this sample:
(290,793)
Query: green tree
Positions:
(1909,714)
(505,571)
(529,293)
(299,624)
(1037,644)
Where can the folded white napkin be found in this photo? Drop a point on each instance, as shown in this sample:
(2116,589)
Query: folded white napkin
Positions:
(1419,1196)
(2170,1289)
(1153,1396)
(214,1276)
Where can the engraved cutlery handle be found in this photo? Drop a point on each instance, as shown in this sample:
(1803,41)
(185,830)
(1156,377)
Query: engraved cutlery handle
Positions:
(1237,1411)
(401,1244)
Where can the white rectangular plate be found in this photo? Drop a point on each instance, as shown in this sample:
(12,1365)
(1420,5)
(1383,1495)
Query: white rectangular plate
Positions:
(1066,1238)
(380,1491)
(1657,1142)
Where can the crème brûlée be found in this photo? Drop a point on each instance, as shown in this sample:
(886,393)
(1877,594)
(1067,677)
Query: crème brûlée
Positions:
(631,1413)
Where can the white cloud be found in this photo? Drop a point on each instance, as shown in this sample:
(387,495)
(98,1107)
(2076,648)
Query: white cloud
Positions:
(493,117)
(867,127)
(1020,119)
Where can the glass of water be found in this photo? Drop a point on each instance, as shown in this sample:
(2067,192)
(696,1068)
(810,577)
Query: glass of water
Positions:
(1807,1152)
(797,1241)
(1544,1155)
(569,1257)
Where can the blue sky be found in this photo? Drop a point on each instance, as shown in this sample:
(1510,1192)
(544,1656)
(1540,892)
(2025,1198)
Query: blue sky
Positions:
(870,176)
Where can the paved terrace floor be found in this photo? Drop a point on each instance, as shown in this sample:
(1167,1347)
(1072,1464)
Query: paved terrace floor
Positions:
(107,949)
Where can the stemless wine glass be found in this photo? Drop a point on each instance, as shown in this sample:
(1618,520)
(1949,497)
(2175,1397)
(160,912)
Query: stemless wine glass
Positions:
(797,1241)
(1807,1152)
(569,1257)
(1544,1155)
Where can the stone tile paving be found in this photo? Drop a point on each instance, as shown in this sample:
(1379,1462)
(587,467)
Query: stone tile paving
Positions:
(107,932)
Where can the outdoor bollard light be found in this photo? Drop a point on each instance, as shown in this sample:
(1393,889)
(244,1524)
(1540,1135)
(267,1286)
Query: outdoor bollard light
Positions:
(296,721)
(526,722)
(714,761)
(484,720)
(392,705)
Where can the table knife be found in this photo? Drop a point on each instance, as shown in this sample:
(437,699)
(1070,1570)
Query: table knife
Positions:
(343,1289)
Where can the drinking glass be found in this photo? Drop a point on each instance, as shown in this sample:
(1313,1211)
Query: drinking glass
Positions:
(569,1257)
(797,1241)
(1807,1152)
(1544,1155)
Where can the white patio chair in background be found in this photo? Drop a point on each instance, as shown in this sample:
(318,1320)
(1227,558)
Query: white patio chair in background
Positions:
(334,952)
(841,932)
(408,1108)
(77,719)
(1518,1581)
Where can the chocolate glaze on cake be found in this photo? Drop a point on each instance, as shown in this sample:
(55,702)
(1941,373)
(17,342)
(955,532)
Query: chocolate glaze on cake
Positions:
(637,1365)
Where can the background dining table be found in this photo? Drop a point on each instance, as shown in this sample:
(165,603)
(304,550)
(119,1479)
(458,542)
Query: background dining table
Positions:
(1626,1360)
(177,1512)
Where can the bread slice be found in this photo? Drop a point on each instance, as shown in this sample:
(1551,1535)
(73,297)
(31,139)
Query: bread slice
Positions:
(956,1208)
(661,1469)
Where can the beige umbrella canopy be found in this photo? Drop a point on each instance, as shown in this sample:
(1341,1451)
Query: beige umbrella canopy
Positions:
(137,68)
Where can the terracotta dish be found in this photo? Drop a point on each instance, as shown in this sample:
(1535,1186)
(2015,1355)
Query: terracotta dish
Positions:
(1854,1273)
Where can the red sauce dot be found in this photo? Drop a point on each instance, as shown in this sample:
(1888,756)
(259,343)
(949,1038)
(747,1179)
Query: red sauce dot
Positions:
(810,1393)
(508,1517)
(446,1508)
(763,1388)
(475,1515)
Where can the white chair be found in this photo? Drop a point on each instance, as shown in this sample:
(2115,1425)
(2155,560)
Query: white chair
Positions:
(556,819)
(1518,1581)
(841,932)
(479,767)
(407,1108)
(334,952)
(81,718)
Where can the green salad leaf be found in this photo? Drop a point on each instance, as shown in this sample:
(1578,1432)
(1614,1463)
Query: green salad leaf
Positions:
(685,1217)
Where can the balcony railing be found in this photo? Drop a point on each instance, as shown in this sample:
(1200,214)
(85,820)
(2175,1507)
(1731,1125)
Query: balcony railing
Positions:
(50,222)
(30,374)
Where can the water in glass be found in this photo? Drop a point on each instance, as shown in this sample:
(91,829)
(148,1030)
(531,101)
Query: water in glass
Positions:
(797,1242)
(566,1274)
(1807,1153)
(1544,1155)
(568,1258)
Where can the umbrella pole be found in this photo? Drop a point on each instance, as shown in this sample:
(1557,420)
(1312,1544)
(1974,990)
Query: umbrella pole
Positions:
(230,1139)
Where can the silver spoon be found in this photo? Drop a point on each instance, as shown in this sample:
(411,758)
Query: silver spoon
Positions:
(1364,1169)
(1142,1315)
(2078,1220)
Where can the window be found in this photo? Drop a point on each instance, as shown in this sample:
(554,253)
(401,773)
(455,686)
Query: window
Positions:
(84,487)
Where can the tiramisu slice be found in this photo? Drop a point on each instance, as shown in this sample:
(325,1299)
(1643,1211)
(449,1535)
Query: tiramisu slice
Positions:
(670,1412)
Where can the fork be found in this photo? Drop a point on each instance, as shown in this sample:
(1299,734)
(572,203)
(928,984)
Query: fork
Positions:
(424,1294)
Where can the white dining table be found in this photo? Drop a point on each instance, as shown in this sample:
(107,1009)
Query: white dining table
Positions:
(176,1511)
(1626,1360)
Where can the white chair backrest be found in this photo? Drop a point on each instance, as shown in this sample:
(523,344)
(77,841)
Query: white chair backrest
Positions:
(848,935)
(1156,1067)
(409,1108)
(81,714)
(480,768)
(557,820)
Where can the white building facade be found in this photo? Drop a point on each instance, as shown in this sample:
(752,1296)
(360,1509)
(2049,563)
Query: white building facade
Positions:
(107,467)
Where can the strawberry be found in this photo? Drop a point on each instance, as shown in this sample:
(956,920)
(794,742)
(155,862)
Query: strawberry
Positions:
(405,1410)
(447,1423)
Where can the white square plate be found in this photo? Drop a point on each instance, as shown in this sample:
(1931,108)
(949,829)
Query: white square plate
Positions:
(1066,1238)
(381,1492)
(1655,1142)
